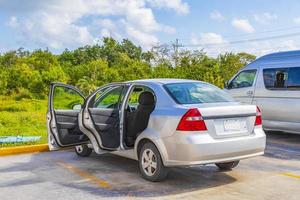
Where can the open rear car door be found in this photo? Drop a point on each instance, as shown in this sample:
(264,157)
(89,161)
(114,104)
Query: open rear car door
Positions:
(101,117)
(64,105)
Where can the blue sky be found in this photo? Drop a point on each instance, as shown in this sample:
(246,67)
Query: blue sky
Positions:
(216,26)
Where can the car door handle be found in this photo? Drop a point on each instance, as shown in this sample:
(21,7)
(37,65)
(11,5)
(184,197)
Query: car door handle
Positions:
(250,93)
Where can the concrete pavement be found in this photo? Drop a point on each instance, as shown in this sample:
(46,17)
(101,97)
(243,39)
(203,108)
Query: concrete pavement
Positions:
(63,175)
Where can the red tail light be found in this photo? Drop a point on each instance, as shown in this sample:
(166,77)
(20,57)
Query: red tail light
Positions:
(258,120)
(192,121)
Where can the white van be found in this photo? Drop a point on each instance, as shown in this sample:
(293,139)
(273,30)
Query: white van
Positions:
(273,83)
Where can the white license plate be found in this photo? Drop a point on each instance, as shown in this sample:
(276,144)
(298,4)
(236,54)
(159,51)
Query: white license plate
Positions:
(234,125)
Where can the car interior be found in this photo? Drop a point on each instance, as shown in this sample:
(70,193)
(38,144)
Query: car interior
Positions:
(67,127)
(141,103)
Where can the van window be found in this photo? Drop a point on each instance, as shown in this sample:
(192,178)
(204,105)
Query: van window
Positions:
(243,79)
(294,78)
(282,78)
(275,78)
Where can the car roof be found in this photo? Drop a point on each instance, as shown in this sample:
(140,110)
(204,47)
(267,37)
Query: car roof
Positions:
(280,59)
(163,81)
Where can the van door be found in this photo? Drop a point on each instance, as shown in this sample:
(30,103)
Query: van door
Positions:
(101,116)
(64,105)
(278,96)
(242,86)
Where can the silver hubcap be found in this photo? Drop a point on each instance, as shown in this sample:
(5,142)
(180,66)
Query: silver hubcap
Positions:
(149,162)
(79,148)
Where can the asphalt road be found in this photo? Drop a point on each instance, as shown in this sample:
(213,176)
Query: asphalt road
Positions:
(63,175)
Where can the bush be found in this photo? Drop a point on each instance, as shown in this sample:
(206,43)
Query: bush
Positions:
(22,94)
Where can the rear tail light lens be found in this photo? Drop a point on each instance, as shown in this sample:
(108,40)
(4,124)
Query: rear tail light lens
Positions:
(192,121)
(258,119)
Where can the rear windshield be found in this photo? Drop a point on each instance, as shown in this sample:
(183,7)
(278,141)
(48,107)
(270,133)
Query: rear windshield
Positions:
(196,92)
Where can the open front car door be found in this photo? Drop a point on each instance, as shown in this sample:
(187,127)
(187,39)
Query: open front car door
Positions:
(64,105)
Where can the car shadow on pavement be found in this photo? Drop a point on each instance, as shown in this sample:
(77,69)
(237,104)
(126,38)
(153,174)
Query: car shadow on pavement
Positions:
(124,177)
(121,174)
(284,146)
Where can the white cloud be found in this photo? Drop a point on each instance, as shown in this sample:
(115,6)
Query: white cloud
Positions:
(211,38)
(212,43)
(265,47)
(13,22)
(243,25)
(145,38)
(216,15)
(297,20)
(265,18)
(177,5)
(65,23)
(55,31)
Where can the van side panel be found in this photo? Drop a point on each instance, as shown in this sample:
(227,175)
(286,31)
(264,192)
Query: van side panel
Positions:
(280,108)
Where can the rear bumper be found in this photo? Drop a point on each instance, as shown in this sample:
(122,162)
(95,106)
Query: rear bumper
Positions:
(183,149)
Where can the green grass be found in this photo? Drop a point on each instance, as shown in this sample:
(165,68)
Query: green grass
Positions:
(26,117)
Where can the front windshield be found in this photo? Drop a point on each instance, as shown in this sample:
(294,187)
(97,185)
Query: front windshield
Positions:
(197,92)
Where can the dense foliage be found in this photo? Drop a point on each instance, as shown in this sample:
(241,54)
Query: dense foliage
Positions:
(25,74)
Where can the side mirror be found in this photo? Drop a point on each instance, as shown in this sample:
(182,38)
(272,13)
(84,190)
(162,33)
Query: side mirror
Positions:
(77,106)
(226,84)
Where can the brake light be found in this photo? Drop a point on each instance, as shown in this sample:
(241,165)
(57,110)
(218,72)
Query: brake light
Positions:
(192,121)
(258,119)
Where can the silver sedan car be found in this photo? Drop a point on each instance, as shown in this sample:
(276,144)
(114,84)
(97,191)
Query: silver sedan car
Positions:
(159,122)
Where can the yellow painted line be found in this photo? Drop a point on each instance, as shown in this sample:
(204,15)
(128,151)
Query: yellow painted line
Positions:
(91,178)
(23,149)
(291,175)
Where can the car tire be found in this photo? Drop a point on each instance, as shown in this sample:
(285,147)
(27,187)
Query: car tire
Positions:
(227,165)
(83,150)
(150,163)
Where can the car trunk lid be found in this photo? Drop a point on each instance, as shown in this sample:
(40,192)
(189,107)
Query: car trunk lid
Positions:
(227,120)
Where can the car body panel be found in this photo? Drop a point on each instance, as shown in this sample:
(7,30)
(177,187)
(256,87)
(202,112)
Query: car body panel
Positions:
(200,148)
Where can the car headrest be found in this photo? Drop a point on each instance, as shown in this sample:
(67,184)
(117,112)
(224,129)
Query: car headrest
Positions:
(146,98)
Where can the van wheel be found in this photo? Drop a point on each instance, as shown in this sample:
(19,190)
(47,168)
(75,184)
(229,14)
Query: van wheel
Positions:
(83,150)
(228,165)
(150,163)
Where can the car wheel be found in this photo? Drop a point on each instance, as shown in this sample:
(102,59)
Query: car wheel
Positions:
(150,163)
(83,150)
(227,165)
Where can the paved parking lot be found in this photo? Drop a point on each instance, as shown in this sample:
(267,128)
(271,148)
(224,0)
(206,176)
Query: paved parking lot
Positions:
(63,175)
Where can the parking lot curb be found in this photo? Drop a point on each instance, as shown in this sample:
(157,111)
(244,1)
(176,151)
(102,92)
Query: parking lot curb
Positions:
(23,149)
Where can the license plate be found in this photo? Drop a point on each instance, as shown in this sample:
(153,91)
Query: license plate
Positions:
(234,125)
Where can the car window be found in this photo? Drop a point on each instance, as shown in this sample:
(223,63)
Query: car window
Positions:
(276,78)
(243,79)
(196,92)
(111,98)
(65,98)
(133,101)
(95,100)
(294,78)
